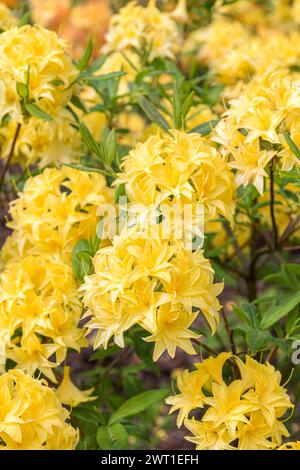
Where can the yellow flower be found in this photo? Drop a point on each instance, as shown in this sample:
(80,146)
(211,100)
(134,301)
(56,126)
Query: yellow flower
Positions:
(207,436)
(31,415)
(69,394)
(43,142)
(39,313)
(290,446)
(136,26)
(7,19)
(250,133)
(243,413)
(180,167)
(145,279)
(56,209)
(171,331)
(180,13)
(250,163)
(191,396)
(51,74)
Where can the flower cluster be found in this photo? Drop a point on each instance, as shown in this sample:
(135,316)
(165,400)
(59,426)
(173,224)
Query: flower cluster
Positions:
(153,282)
(244,413)
(39,304)
(32,417)
(7,19)
(135,27)
(39,313)
(177,167)
(56,209)
(236,48)
(37,56)
(43,142)
(252,129)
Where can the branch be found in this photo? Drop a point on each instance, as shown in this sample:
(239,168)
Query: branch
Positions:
(10,155)
(272,210)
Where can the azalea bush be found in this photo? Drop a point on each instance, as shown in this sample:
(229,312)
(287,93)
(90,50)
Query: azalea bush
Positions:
(149,284)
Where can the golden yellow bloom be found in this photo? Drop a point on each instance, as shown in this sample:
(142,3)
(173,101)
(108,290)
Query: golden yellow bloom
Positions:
(7,19)
(31,415)
(69,394)
(39,313)
(156,283)
(253,123)
(136,26)
(180,167)
(290,446)
(180,13)
(43,142)
(51,73)
(245,413)
(56,209)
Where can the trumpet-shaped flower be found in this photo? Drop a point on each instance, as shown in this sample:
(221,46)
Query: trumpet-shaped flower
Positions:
(69,394)
(34,55)
(244,413)
(156,283)
(32,416)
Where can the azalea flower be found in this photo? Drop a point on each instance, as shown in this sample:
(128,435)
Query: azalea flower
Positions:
(69,394)
(244,413)
(31,415)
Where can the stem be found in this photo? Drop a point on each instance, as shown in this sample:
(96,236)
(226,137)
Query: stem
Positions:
(10,155)
(272,211)
(229,332)
(204,346)
(272,354)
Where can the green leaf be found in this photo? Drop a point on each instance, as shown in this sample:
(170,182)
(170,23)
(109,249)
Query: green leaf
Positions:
(87,415)
(22,90)
(110,147)
(287,304)
(78,103)
(113,437)
(25,19)
(205,128)
(105,76)
(153,114)
(294,148)
(84,60)
(137,404)
(37,112)
(257,340)
(82,259)
(89,140)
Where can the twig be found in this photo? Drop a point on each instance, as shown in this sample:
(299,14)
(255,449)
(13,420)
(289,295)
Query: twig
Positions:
(272,210)
(229,332)
(204,346)
(10,155)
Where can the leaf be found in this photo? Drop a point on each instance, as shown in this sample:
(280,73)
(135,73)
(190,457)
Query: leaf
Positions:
(22,90)
(288,304)
(110,147)
(37,112)
(105,76)
(294,148)
(153,114)
(257,340)
(113,437)
(87,415)
(82,259)
(137,404)
(205,128)
(89,140)
(84,60)
(78,103)
(25,19)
